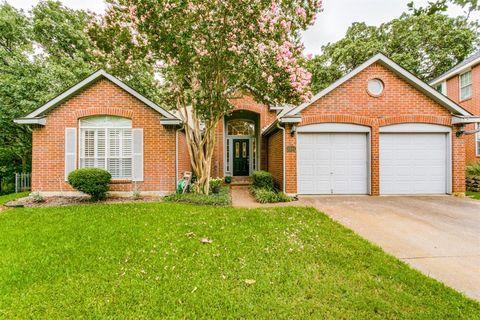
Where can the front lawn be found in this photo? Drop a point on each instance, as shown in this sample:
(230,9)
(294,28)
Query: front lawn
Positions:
(148,261)
(474,195)
(12,196)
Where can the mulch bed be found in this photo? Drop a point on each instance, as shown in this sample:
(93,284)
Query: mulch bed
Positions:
(28,202)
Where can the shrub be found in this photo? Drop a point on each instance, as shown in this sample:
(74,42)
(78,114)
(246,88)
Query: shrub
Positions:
(215,185)
(263,179)
(264,195)
(221,198)
(228,179)
(37,197)
(91,181)
(473,170)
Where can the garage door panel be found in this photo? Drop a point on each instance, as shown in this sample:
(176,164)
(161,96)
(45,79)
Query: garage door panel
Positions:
(340,165)
(413,163)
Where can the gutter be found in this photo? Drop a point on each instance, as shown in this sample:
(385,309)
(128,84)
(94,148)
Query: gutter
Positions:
(283,160)
(39,121)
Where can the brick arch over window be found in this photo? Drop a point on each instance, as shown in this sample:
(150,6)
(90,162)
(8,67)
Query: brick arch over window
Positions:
(99,111)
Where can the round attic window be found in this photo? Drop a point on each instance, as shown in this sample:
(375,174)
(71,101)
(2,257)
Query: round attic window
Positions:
(375,87)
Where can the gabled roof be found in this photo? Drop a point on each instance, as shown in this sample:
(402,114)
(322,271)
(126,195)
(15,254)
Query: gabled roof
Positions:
(459,68)
(37,116)
(397,69)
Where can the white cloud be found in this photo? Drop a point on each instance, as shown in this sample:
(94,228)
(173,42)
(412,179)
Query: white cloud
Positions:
(331,25)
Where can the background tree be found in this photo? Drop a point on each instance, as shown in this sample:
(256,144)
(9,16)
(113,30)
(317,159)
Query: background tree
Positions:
(427,45)
(438,6)
(205,51)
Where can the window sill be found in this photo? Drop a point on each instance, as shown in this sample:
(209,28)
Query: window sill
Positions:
(120,181)
(463,100)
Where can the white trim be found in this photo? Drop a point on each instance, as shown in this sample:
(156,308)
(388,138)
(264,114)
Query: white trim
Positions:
(415,128)
(100,73)
(290,119)
(333,127)
(465,120)
(39,121)
(419,84)
(284,151)
(455,72)
(477,141)
(170,122)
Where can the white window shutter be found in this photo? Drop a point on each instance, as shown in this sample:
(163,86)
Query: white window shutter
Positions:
(137,154)
(70,151)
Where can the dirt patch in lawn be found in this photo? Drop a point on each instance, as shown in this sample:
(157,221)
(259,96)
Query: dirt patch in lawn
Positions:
(58,201)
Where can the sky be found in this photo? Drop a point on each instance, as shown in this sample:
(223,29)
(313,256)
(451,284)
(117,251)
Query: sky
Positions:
(331,25)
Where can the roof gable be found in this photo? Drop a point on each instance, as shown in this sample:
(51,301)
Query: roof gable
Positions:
(36,116)
(399,71)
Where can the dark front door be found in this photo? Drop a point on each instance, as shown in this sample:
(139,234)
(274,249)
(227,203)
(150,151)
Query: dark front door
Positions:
(241,150)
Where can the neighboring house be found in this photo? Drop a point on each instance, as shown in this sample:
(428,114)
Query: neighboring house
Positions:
(378,130)
(462,85)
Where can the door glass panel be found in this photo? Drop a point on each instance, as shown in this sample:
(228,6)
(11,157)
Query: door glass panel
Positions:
(244,149)
(237,149)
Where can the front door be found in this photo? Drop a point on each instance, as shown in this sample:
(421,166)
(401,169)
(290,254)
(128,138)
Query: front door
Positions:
(241,150)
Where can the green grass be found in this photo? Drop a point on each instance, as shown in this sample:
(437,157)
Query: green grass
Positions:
(12,196)
(141,261)
(220,199)
(473,195)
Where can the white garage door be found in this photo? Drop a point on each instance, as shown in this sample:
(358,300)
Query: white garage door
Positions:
(413,163)
(332,163)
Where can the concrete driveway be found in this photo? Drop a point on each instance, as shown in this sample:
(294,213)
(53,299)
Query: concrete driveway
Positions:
(438,235)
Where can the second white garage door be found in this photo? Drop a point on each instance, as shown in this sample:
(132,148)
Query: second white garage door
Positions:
(332,163)
(413,163)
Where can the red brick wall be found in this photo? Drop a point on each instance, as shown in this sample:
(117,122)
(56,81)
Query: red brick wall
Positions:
(103,98)
(275,157)
(472,105)
(399,103)
(245,102)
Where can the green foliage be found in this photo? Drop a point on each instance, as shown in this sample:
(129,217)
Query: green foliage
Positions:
(222,198)
(473,170)
(263,179)
(266,195)
(473,195)
(414,41)
(37,197)
(215,185)
(91,181)
(146,261)
(437,6)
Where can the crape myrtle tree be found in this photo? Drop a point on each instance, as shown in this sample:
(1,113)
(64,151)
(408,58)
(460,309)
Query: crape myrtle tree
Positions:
(205,52)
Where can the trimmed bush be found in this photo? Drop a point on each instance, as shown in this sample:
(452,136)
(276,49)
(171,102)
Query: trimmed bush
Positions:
(91,181)
(263,179)
(264,195)
(215,185)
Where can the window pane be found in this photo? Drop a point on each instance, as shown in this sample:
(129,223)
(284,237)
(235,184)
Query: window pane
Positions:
(89,143)
(126,142)
(254,150)
(466,92)
(237,149)
(465,79)
(126,168)
(228,155)
(114,168)
(241,128)
(101,143)
(244,149)
(114,142)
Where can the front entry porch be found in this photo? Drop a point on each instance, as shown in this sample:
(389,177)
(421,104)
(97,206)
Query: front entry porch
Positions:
(241,143)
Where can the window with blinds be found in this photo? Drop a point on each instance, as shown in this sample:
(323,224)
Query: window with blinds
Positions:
(106,142)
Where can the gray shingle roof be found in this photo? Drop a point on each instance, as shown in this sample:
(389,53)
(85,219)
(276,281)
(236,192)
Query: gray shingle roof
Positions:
(459,66)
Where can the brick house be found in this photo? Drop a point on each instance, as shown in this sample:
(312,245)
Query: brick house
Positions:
(462,85)
(378,130)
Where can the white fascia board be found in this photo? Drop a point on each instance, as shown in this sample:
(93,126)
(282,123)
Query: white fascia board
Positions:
(82,84)
(456,72)
(38,121)
(294,119)
(465,120)
(170,122)
(419,84)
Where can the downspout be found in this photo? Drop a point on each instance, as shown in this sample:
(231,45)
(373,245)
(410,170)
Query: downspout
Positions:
(176,154)
(283,155)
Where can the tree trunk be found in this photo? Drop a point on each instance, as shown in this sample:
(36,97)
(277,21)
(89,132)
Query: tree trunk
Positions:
(201,144)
